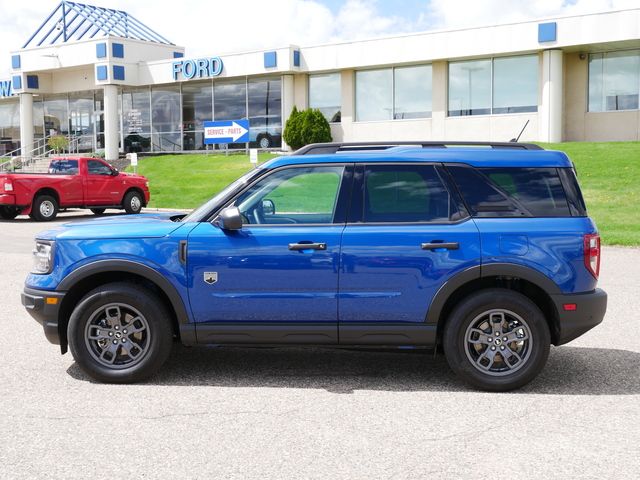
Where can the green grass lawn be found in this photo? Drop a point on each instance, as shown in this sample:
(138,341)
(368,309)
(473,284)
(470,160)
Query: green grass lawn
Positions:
(609,174)
(186,181)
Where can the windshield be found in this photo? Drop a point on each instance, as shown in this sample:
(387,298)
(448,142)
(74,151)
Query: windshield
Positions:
(210,205)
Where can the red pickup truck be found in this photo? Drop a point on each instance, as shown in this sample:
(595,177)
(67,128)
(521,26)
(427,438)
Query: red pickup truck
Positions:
(71,183)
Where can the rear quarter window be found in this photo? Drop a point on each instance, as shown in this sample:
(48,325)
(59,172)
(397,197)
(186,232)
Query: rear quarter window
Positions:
(64,167)
(512,192)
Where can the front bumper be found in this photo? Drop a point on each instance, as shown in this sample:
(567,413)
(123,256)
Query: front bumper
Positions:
(44,306)
(589,312)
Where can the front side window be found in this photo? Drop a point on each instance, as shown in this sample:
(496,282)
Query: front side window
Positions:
(614,81)
(98,168)
(325,95)
(301,195)
(405,194)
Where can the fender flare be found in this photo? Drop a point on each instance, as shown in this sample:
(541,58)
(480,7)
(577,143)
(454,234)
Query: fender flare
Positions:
(128,266)
(484,271)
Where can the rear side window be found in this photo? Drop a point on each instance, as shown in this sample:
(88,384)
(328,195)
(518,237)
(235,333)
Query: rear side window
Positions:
(405,193)
(64,167)
(512,192)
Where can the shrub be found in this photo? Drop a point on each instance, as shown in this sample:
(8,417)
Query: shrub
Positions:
(58,143)
(305,127)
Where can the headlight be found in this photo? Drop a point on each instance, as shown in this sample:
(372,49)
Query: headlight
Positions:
(42,257)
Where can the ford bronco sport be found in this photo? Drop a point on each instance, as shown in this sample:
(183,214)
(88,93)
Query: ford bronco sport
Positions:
(485,251)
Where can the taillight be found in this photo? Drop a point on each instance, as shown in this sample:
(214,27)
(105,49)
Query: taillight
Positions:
(7,185)
(592,253)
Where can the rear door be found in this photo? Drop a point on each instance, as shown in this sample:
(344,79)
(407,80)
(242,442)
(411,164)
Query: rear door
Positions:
(406,236)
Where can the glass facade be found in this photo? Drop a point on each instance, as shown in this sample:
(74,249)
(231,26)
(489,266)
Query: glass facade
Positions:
(394,93)
(493,86)
(165,119)
(197,108)
(264,101)
(136,120)
(614,81)
(326,96)
(9,126)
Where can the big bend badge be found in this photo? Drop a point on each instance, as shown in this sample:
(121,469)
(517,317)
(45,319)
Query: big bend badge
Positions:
(210,277)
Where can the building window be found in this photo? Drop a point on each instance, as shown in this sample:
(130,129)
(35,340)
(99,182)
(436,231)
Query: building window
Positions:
(393,93)
(374,95)
(325,95)
(470,88)
(9,126)
(515,84)
(412,92)
(136,120)
(614,81)
(499,85)
(197,108)
(264,99)
(165,119)
(230,103)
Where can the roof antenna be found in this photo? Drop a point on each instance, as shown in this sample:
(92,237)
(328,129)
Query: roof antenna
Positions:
(520,134)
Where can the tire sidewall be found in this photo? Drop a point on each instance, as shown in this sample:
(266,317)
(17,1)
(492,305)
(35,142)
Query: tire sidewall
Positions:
(148,305)
(127,202)
(36,208)
(455,342)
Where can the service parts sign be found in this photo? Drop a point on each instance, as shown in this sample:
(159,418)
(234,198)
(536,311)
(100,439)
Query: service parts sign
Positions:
(226,131)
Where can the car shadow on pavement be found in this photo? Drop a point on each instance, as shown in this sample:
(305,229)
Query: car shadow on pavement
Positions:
(569,370)
(66,218)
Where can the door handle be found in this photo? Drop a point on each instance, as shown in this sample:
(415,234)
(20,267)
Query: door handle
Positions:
(307,246)
(436,245)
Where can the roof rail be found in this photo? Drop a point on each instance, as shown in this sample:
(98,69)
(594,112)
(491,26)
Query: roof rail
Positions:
(329,148)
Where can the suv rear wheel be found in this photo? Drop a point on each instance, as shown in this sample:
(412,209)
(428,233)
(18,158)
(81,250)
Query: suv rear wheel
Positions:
(120,333)
(496,340)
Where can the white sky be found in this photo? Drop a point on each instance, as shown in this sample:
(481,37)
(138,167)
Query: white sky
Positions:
(211,27)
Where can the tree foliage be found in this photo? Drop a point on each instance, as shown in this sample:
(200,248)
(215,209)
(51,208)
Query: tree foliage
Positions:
(58,143)
(305,127)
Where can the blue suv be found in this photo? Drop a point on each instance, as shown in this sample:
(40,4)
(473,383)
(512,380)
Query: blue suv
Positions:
(483,251)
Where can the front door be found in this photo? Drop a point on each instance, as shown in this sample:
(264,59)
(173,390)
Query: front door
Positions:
(406,236)
(276,279)
(103,188)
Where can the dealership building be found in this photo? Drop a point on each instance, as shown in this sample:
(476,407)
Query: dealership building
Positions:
(110,83)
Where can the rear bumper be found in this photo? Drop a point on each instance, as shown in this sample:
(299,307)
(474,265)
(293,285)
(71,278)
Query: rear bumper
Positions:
(589,312)
(7,199)
(39,304)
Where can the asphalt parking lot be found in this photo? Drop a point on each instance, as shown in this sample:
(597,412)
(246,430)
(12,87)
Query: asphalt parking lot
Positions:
(316,413)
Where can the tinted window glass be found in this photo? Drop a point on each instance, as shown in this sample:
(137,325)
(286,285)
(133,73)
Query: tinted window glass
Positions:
(64,167)
(405,193)
(98,168)
(492,192)
(291,196)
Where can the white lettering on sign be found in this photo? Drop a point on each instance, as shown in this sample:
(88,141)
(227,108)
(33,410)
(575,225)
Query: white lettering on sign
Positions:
(233,131)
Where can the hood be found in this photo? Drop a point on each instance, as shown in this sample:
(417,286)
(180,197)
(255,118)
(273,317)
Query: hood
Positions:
(146,225)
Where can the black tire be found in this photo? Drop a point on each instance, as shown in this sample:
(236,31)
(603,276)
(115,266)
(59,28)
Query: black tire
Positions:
(98,211)
(152,344)
(133,202)
(474,352)
(8,212)
(45,208)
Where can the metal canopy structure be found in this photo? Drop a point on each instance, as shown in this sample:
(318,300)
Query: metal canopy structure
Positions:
(71,21)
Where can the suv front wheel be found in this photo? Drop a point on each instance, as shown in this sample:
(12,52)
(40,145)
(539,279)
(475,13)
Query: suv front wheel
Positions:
(120,333)
(496,340)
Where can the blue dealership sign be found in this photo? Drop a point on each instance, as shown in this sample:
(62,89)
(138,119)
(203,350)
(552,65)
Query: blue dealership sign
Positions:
(226,131)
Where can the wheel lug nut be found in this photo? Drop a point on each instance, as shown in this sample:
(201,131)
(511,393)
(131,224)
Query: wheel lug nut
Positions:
(111,334)
(504,338)
(117,327)
(125,332)
(493,348)
(115,341)
(497,334)
(502,347)
(124,340)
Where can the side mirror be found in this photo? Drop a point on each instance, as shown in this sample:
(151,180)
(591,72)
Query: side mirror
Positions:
(229,219)
(115,172)
(268,207)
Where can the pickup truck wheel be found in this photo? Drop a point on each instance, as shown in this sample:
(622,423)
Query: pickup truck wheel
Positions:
(8,212)
(98,211)
(120,333)
(45,208)
(132,202)
(496,340)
